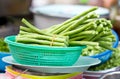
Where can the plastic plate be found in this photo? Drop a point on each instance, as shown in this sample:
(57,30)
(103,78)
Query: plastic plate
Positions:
(81,65)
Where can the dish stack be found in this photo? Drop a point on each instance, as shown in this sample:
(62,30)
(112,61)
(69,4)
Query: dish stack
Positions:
(45,62)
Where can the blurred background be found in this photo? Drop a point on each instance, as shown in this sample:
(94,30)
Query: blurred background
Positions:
(45,13)
(12,11)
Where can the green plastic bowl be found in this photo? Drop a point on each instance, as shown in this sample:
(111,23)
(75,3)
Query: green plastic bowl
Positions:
(43,55)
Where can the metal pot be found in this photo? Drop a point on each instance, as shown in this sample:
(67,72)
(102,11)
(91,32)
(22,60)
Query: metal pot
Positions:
(48,15)
(97,74)
(111,75)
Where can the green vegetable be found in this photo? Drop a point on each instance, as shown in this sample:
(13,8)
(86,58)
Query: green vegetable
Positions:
(80,21)
(111,63)
(72,43)
(62,28)
(78,30)
(83,33)
(41,42)
(26,29)
(31,34)
(75,18)
(3,46)
(33,27)
(83,29)
(38,36)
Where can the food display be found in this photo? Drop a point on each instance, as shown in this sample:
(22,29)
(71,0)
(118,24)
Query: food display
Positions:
(61,46)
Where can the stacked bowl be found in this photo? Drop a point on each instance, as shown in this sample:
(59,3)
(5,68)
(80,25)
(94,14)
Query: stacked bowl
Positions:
(33,57)
(43,55)
(63,60)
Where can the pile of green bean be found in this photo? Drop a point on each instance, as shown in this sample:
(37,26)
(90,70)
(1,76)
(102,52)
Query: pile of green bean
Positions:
(3,46)
(32,35)
(114,61)
(83,29)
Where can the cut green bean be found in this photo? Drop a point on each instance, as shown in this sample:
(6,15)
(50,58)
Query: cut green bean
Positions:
(98,36)
(78,22)
(78,38)
(33,27)
(105,45)
(79,30)
(77,17)
(86,33)
(106,39)
(57,31)
(45,42)
(37,36)
(23,28)
(72,43)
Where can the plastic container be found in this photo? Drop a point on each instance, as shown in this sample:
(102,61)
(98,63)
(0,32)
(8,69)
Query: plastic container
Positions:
(50,15)
(3,64)
(104,56)
(81,65)
(43,55)
(17,75)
